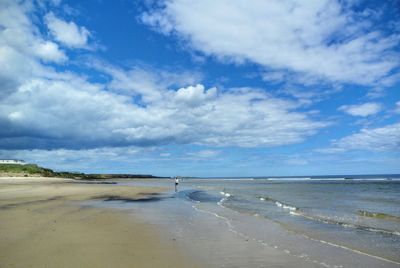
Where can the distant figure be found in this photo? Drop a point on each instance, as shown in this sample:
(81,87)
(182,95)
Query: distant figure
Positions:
(176,184)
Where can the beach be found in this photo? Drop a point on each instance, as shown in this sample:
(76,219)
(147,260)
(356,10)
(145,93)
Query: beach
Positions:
(54,222)
(43,223)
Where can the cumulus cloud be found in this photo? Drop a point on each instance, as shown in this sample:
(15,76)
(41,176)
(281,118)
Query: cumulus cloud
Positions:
(45,108)
(67,33)
(22,49)
(386,138)
(194,95)
(321,39)
(20,40)
(49,51)
(64,113)
(144,81)
(365,109)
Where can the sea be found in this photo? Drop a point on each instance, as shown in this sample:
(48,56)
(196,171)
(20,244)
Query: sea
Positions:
(324,221)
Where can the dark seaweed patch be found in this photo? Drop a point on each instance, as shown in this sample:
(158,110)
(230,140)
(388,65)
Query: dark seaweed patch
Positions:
(7,206)
(148,198)
(150,194)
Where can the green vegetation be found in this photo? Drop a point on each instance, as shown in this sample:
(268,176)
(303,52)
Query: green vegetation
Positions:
(35,170)
(29,169)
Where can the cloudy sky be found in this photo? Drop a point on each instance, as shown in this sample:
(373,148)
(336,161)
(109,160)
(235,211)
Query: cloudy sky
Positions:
(202,88)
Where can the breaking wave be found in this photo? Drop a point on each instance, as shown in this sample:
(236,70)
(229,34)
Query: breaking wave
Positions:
(279,203)
(343,223)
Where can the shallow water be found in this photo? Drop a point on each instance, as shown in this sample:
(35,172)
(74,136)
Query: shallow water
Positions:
(347,213)
(290,223)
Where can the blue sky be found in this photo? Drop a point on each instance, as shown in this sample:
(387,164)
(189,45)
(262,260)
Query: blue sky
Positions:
(202,88)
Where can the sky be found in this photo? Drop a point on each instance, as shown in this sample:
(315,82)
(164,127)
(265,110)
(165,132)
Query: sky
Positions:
(202,88)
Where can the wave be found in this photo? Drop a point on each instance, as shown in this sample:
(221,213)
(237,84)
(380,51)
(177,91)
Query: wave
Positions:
(295,179)
(288,179)
(297,212)
(285,206)
(378,215)
(225,194)
(352,179)
(343,224)
(371,179)
(279,204)
(201,196)
(235,179)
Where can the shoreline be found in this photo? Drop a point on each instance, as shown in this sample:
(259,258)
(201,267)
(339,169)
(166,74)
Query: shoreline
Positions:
(44,223)
(227,237)
(143,223)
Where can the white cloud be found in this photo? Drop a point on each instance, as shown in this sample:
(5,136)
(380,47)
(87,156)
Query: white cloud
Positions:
(42,108)
(22,49)
(49,51)
(19,38)
(195,95)
(144,81)
(365,109)
(245,117)
(386,138)
(68,33)
(321,39)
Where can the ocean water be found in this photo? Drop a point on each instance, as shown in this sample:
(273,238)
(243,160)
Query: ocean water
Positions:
(361,215)
(282,222)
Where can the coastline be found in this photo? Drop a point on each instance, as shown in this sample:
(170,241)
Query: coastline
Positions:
(44,223)
(144,223)
(218,235)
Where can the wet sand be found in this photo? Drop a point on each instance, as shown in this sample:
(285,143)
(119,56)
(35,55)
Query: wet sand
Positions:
(44,223)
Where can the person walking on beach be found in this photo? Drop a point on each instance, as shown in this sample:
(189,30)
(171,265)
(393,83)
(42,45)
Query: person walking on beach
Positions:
(176,184)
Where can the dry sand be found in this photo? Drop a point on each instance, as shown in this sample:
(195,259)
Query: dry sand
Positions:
(43,223)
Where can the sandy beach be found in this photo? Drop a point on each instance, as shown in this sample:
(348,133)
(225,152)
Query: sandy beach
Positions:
(43,223)
(54,222)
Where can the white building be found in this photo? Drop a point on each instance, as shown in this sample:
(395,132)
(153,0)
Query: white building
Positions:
(12,161)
